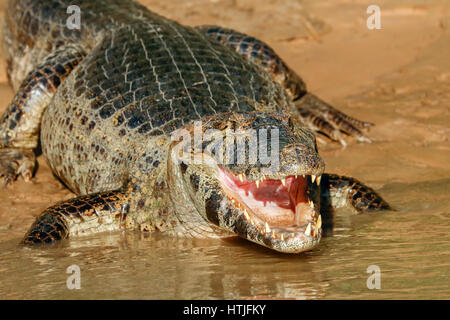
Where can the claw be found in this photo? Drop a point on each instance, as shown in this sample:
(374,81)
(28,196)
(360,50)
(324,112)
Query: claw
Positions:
(27,177)
(343,143)
(15,162)
(8,181)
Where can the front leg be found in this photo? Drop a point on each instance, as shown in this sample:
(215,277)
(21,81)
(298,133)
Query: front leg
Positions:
(339,191)
(88,214)
(139,204)
(20,124)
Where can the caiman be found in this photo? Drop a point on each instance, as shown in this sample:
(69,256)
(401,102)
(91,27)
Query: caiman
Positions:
(104,100)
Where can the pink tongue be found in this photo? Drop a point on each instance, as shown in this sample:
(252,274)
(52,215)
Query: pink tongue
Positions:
(271,191)
(285,196)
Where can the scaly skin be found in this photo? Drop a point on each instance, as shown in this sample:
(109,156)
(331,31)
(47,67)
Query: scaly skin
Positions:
(107,100)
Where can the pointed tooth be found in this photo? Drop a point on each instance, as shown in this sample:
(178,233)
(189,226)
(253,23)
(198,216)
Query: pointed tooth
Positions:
(246,215)
(282,237)
(308,230)
(241,177)
(319,222)
(311,204)
(313,178)
(318,180)
(267,228)
(257,183)
(283,182)
(303,175)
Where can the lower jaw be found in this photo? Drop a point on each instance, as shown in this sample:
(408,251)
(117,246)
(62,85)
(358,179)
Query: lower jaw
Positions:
(294,243)
(285,239)
(297,245)
(301,229)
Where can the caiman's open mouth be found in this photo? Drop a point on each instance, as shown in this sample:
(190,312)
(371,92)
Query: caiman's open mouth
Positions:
(283,210)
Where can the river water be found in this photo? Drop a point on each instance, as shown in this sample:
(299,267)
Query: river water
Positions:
(411,248)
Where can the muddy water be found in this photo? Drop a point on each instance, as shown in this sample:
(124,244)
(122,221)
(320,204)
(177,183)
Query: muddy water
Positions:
(397,77)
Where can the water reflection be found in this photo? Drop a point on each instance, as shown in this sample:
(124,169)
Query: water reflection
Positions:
(129,265)
(411,247)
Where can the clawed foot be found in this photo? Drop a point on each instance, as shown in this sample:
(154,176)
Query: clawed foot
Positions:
(323,118)
(15,162)
(340,191)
